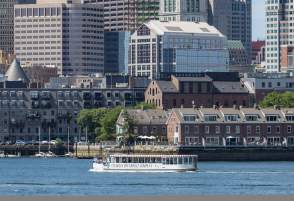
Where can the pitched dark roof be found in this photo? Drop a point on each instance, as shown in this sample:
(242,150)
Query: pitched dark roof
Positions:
(16,73)
(167,86)
(229,87)
(195,79)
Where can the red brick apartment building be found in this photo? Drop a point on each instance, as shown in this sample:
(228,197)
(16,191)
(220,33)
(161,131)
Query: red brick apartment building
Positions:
(231,127)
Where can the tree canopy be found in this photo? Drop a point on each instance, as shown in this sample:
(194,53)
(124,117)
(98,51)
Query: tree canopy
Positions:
(285,100)
(101,122)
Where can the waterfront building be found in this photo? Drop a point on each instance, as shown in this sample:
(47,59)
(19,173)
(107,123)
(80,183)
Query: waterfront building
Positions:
(63,34)
(158,47)
(7,23)
(238,57)
(214,127)
(184,10)
(116,46)
(151,123)
(221,89)
(279,42)
(233,18)
(261,84)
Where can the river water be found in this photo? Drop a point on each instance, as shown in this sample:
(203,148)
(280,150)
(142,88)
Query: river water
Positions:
(28,176)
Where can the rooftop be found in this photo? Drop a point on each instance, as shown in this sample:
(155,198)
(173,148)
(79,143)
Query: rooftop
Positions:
(162,27)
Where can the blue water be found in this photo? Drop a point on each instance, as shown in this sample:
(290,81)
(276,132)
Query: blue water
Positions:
(29,176)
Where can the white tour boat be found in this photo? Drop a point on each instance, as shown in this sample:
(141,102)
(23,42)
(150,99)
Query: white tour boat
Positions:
(146,163)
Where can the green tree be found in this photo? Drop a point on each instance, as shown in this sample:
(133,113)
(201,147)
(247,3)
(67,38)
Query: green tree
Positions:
(91,119)
(285,100)
(128,128)
(144,106)
(108,123)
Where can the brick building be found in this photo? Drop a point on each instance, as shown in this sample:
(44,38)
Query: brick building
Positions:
(202,90)
(231,127)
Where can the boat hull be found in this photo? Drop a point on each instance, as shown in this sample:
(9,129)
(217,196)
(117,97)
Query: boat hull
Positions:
(136,167)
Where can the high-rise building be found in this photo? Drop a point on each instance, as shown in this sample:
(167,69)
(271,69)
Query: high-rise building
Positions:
(184,10)
(60,33)
(233,19)
(279,36)
(116,45)
(127,15)
(177,47)
(6,23)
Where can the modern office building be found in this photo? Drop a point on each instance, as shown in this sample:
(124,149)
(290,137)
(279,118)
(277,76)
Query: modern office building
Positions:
(127,15)
(7,23)
(233,18)
(63,34)
(116,46)
(184,10)
(158,47)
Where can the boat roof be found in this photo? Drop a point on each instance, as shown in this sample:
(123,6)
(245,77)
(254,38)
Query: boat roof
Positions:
(149,155)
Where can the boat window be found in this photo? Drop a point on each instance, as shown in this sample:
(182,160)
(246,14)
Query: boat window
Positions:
(171,161)
(186,161)
(135,160)
(163,161)
(130,159)
(180,160)
(141,160)
(124,159)
(117,159)
(167,161)
(158,160)
(175,160)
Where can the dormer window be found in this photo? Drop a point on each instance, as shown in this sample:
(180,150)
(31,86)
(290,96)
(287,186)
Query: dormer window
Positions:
(290,117)
(272,118)
(190,118)
(252,117)
(210,117)
(231,117)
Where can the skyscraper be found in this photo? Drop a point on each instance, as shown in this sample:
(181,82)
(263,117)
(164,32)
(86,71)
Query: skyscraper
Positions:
(6,23)
(279,36)
(234,19)
(183,10)
(127,15)
(65,35)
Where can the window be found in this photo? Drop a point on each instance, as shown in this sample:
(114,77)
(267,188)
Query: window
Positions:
(187,129)
(228,129)
(196,129)
(237,129)
(207,129)
(248,129)
(278,129)
(257,129)
(252,117)
(190,118)
(272,118)
(269,129)
(231,117)
(289,129)
(217,129)
(210,118)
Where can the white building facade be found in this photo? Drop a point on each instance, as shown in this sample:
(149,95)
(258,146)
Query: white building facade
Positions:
(279,31)
(65,35)
(184,10)
(177,47)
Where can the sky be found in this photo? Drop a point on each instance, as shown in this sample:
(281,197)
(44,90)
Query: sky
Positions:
(258,19)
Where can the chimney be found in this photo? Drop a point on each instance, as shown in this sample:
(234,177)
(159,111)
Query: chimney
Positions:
(214,107)
(235,107)
(182,106)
